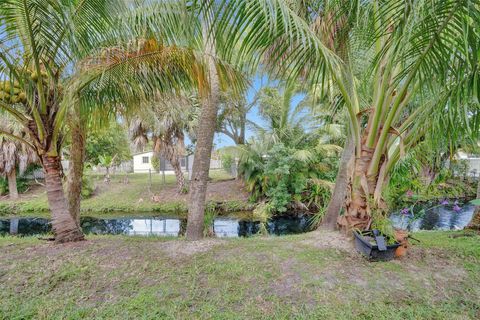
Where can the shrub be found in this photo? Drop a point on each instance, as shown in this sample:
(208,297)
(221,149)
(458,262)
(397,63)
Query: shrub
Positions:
(227,162)
(156,163)
(88,187)
(3,186)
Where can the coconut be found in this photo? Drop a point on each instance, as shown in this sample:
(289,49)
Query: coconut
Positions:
(4,96)
(14,99)
(23,97)
(5,86)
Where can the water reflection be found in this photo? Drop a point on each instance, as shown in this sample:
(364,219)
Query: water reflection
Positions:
(438,217)
(158,226)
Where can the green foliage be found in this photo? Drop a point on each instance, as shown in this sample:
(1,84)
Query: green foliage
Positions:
(88,186)
(111,140)
(381,222)
(475,202)
(155,163)
(3,186)
(284,179)
(407,186)
(22,185)
(290,164)
(227,161)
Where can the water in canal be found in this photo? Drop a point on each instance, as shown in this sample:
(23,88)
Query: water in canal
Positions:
(158,226)
(447,216)
(433,217)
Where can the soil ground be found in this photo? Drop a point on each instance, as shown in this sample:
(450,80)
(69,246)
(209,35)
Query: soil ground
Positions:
(310,276)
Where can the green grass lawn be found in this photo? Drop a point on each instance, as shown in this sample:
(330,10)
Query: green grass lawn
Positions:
(292,277)
(117,197)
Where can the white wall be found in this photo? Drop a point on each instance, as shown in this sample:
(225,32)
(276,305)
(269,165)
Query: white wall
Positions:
(139,166)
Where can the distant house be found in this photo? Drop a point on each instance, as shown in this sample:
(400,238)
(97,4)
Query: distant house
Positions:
(142,163)
(472,160)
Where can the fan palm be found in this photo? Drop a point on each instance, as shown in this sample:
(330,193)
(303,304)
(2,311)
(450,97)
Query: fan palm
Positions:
(13,153)
(165,123)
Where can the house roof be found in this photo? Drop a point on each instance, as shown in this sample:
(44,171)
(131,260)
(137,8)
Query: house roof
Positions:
(140,153)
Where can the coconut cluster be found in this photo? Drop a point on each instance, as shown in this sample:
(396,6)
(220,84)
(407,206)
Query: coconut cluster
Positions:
(10,91)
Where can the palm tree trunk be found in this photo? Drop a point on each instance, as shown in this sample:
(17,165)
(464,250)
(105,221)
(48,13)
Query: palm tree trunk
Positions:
(107,175)
(340,190)
(64,225)
(475,223)
(358,210)
(75,174)
(203,150)
(12,185)
(177,168)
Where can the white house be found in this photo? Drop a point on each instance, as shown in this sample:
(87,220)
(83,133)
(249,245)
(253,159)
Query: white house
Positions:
(142,163)
(472,160)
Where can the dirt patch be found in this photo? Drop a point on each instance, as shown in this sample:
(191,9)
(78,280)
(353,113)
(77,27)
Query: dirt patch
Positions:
(179,249)
(219,191)
(325,239)
(33,191)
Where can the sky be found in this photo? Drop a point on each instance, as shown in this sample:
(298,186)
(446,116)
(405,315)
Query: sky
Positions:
(253,115)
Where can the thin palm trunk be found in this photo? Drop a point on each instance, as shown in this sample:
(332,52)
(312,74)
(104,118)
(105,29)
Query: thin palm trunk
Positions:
(75,174)
(203,151)
(12,184)
(64,225)
(181,186)
(340,190)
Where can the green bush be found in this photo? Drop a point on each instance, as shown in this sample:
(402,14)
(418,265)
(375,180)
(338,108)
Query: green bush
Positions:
(156,163)
(22,185)
(3,186)
(88,187)
(227,162)
(283,178)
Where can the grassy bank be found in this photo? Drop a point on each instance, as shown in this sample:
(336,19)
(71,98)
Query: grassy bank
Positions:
(118,197)
(314,275)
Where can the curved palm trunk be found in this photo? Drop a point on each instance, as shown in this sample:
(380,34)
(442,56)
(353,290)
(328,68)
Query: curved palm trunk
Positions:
(181,186)
(64,225)
(12,185)
(75,174)
(340,190)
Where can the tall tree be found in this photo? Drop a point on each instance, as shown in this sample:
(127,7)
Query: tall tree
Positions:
(204,135)
(403,49)
(232,116)
(40,40)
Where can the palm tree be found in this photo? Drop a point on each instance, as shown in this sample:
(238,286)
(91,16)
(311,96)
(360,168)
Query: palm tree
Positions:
(417,69)
(296,132)
(13,154)
(402,50)
(39,42)
(165,122)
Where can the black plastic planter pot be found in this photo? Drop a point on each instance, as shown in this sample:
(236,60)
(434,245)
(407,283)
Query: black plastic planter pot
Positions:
(372,251)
